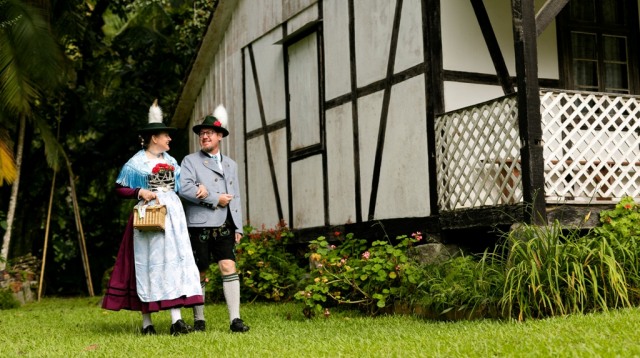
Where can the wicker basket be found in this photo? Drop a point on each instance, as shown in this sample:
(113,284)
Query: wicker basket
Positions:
(149,217)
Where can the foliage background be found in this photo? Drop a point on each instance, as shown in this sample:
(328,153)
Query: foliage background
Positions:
(119,56)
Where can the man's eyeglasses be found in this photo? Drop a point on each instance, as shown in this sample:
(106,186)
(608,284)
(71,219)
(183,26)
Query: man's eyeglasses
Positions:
(206,133)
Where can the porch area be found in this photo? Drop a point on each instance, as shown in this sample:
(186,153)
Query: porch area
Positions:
(591,155)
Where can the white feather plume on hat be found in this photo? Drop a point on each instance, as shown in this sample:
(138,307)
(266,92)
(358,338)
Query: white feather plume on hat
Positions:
(221,114)
(155,113)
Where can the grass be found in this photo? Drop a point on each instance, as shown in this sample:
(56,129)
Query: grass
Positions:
(71,327)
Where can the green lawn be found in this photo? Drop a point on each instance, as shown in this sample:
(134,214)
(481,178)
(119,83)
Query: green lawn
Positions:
(79,327)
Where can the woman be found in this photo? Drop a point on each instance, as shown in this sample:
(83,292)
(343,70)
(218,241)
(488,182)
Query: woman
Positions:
(154,270)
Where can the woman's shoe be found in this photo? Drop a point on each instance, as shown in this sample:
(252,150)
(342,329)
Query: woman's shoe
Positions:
(180,327)
(148,330)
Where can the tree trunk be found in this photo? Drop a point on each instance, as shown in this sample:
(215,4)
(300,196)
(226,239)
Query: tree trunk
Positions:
(4,255)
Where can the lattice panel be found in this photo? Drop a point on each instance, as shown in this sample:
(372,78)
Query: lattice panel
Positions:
(477,156)
(592,146)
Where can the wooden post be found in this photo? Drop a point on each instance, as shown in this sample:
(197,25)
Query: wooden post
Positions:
(529,117)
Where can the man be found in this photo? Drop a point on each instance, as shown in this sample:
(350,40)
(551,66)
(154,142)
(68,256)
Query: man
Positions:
(209,183)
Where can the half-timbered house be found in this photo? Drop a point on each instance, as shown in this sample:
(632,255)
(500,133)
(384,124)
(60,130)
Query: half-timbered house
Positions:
(423,115)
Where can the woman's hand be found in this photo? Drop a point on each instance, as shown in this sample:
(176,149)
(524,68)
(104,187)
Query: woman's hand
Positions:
(148,195)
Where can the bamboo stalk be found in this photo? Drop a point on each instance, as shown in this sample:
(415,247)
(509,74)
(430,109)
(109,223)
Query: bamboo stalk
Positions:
(76,210)
(46,236)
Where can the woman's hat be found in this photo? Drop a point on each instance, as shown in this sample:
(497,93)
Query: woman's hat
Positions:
(217,122)
(155,121)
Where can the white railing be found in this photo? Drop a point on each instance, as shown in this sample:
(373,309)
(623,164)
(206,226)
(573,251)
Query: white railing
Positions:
(477,155)
(591,146)
(591,150)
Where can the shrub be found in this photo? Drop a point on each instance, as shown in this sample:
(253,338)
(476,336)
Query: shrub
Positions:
(550,271)
(353,273)
(462,286)
(268,271)
(7,301)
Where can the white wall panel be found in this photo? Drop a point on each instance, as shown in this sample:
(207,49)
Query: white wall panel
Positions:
(464,48)
(252,19)
(308,192)
(336,48)
(304,102)
(403,190)
(304,17)
(292,7)
(458,95)
(261,194)
(270,68)
(251,98)
(373,26)
(409,52)
(340,165)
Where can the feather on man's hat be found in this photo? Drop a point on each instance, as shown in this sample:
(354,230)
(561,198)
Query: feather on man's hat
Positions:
(155,121)
(217,121)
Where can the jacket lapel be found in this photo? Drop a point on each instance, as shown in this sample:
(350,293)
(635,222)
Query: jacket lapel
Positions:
(210,164)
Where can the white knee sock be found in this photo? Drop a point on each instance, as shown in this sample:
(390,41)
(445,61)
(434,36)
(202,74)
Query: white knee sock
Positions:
(146,320)
(175,315)
(198,311)
(231,289)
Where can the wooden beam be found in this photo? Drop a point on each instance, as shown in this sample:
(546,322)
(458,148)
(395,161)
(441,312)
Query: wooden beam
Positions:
(529,117)
(434,88)
(548,13)
(493,46)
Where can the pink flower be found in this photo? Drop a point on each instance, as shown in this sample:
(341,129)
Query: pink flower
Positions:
(417,235)
(332,247)
(343,261)
(366,255)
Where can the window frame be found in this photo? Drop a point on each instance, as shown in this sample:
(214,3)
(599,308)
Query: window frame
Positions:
(565,27)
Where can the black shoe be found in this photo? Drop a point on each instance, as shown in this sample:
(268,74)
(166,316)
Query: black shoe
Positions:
(199,325)
(180,327)
(238,326)
(149,330)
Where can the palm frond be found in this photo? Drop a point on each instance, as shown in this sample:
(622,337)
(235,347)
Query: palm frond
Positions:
(29,56)
(8,170)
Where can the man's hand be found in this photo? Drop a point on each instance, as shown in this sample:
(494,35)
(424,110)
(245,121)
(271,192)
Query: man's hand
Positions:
(238,237)
(224,199)
(202,192)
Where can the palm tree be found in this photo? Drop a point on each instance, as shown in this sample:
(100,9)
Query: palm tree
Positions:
(30,63)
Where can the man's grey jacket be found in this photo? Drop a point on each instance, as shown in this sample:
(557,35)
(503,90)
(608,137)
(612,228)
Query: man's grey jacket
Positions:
(200,168)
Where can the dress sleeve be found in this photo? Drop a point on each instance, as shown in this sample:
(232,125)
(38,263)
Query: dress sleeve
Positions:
(126,192)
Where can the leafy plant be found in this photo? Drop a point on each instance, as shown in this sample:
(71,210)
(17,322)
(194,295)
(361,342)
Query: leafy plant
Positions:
(623,221)
(352,273)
